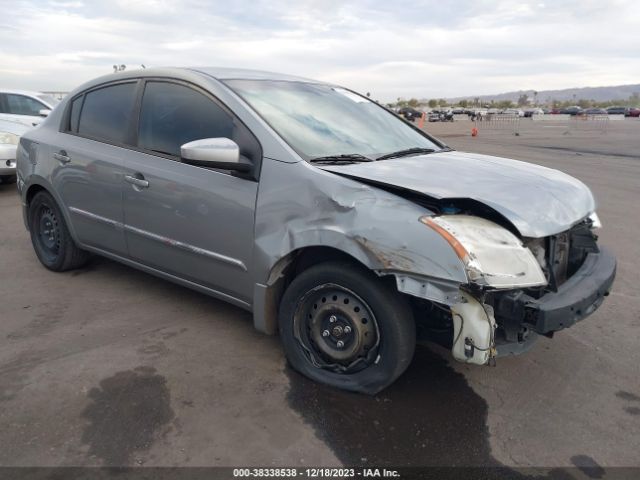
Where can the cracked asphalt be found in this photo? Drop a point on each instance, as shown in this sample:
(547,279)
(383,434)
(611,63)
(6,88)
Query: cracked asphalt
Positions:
(110,366)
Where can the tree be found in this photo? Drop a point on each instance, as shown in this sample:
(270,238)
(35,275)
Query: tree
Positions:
(413,102)
(523,100)
(463,103)
(584,103)
(634,99)
(433,103)
(442,102)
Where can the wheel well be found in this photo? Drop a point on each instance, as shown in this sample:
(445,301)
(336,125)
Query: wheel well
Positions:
(33,189)
(290,266)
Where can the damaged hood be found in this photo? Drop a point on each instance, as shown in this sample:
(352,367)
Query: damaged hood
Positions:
(538,201)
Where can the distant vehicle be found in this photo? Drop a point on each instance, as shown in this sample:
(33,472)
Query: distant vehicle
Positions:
(28,108)
(410,113)
(575,110)
(440,116)
(10,133)
(633,112)
(617,110)
(493,111)
(595,111)
(556,111)
(530,112)
(514,111)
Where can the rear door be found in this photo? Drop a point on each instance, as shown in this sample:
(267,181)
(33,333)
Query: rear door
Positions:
(192,222)
(89,163)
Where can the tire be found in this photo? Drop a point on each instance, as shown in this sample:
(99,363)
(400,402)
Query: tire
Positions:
(315,311)
(50,236)
(7,179)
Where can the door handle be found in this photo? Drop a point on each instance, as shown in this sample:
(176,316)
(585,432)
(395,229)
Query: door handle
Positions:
(137,180)
(62,157)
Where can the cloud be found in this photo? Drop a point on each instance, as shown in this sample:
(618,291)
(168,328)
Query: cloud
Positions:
(422,48)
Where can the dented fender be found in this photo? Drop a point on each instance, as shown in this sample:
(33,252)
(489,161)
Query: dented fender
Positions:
(380,230)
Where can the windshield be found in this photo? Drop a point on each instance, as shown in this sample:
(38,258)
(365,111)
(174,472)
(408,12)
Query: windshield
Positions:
(321,120)
(49,99)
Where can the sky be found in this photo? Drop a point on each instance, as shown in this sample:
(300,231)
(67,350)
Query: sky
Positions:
(420,48)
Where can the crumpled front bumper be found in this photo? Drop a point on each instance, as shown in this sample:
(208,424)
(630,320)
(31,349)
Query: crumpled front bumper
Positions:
(576,299)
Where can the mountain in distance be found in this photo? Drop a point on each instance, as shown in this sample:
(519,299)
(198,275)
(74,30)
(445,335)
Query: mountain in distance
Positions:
(599,94)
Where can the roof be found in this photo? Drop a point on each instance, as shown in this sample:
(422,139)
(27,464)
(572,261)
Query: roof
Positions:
(221,73)
(31,93)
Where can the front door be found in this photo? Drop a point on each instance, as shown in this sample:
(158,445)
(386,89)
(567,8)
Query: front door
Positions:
(192,222)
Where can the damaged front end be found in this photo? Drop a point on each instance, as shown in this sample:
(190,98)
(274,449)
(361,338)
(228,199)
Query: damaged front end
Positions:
(517,289)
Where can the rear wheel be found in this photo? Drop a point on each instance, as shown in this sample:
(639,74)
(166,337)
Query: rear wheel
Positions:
(342,326)
(50,236)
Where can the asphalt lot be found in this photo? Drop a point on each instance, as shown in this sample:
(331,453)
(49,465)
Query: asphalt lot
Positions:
(110,366)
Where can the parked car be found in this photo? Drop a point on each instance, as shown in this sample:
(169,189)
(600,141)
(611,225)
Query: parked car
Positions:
(25,107)
(530,112)
(349,231)
(633,112)
(595,111)
(514,111)
(410,114)
(617,110)
(10,133)
(575,110)
(440,116)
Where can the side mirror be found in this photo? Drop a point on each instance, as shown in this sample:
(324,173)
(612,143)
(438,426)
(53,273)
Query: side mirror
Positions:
(44,112)
(220,153)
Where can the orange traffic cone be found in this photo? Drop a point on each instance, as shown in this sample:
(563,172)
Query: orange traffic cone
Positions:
(474,132)
(421,122)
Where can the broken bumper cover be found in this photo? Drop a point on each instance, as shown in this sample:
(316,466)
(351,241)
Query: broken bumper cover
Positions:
(576,299)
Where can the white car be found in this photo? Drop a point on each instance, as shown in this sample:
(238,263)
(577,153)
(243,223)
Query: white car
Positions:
(514,111)
(10,133)
(28,108)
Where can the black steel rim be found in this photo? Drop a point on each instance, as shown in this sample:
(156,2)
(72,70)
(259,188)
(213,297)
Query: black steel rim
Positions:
(48,232)
(336,329)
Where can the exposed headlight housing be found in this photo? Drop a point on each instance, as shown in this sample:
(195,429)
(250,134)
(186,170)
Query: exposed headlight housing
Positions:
(9,138)
(492,255)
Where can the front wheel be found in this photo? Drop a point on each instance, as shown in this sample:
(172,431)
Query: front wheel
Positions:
(342,326)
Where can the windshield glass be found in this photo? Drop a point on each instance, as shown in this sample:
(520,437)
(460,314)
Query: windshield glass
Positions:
(49,99)
(321,120)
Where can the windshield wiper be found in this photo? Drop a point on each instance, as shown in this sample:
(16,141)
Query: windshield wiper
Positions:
(344,159)
(405,152)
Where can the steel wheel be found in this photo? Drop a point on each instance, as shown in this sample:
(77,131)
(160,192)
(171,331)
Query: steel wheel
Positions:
(48,232)
(337,329)
(50,236)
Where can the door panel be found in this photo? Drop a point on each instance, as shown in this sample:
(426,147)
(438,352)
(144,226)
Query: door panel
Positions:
(191,222)
(90,183)
(88,172)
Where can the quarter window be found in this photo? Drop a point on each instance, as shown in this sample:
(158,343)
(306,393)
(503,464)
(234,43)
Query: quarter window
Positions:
(74,116)
(172,115)
(106,113)
(21,105)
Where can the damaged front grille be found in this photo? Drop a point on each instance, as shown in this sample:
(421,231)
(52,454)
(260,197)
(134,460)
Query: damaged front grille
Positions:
(561,255)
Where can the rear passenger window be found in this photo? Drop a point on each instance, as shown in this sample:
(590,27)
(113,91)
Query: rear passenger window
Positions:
(172,115)
(21,105)
(106,113)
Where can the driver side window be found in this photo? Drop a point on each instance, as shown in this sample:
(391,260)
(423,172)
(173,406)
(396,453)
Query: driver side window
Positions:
(172,115)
